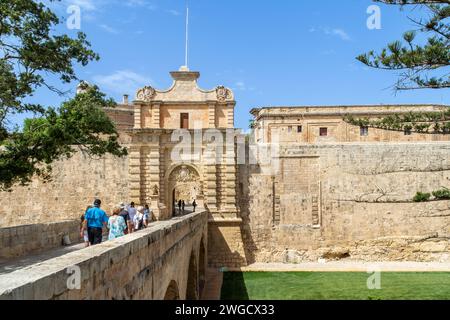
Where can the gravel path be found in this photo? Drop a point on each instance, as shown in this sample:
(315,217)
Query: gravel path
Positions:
(349,266)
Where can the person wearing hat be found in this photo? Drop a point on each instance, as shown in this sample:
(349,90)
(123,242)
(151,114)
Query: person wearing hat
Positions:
(95,220)
(126,216)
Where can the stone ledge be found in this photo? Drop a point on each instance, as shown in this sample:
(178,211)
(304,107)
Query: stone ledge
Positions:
(48,279)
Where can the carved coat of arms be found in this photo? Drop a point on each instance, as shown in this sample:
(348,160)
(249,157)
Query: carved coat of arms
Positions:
(145,94)
(223,94)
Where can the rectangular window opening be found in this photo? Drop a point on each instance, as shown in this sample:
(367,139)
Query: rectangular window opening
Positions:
(323,132)
(184,121)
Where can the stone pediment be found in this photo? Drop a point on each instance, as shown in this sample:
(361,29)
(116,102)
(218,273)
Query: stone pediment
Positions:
(185,89)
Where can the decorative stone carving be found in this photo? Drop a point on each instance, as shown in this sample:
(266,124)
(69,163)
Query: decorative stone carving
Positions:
(146,94)
(155,190)
(223,94)
(184,174)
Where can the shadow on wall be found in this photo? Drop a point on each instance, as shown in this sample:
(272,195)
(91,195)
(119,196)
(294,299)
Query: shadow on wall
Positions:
(250,246)
(172,292)
(220,236)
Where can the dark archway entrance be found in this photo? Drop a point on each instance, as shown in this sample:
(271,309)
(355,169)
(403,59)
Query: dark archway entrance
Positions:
(184,184)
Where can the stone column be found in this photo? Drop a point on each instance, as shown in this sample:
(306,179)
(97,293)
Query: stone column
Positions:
(137,116)
(230,115)
(212,123)
(135,174)
(154,175)
(210,181)
(156,116)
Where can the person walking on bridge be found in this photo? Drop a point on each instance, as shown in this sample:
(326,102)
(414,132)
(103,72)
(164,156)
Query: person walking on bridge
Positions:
(95,220)
(116,225)
(132,212)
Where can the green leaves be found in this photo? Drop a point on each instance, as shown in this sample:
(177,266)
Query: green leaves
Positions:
(29,51)
(420,122)
(422,197)
(80,124)
(409,36)
(418,63)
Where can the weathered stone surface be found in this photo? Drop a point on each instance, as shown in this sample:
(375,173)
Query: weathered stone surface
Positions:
(138,266)
(19,241)
(363,208)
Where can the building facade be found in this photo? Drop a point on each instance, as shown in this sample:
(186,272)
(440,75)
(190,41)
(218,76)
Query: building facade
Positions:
(182,148)
(325,124)
(327,189)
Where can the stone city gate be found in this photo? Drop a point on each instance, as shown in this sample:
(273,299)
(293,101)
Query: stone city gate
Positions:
(184,183)
(158,178)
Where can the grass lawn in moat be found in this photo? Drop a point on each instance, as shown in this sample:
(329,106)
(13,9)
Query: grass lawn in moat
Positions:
(334,286)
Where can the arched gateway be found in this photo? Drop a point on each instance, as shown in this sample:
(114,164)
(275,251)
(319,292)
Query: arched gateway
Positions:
(184,184)
(158,178)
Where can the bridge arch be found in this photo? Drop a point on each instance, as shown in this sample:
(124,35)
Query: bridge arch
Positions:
(172,292)
(202,267)
(192,283)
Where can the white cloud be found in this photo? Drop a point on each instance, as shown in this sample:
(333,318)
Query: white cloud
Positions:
(122,81)
(338,32)
(174,12)
(240,85)
(139,4)
(109,29)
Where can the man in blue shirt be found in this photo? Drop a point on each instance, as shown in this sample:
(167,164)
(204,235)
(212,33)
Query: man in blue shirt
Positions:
(95,220)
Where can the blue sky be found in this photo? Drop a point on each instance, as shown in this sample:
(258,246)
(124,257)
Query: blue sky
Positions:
(285,52)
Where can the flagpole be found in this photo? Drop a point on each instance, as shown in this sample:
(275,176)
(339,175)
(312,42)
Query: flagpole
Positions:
(187,36)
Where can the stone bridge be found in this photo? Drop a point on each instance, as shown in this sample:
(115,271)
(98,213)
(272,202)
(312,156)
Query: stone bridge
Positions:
(168,261)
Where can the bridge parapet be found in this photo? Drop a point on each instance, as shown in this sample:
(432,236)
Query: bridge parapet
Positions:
(20,241)
(143,265)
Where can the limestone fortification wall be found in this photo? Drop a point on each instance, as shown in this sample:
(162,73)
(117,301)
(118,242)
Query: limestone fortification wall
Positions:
(139,266)
(348,200)
(22,240)
(330,200)
(75,184)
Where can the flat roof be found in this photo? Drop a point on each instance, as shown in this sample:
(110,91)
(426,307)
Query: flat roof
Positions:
(258,109)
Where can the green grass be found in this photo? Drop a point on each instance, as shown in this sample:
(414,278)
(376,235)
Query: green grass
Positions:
(334,286)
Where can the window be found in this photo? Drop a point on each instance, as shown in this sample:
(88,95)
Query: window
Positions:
(364,131)
(290,129)
(408,132)
(184,121)
(323,132)
(299,129)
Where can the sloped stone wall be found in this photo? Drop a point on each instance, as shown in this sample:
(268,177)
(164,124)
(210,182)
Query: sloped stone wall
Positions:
(75,184)
(349,201)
